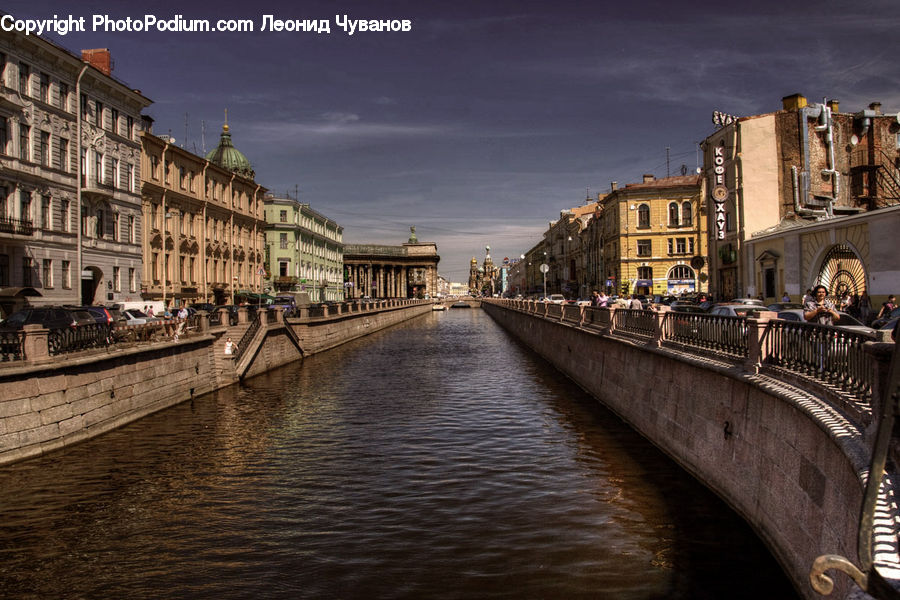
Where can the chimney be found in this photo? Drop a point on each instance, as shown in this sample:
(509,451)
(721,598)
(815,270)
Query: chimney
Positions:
(833,105)
(613,186)
(793,102)
(98,58)
(648,178)
(876,106)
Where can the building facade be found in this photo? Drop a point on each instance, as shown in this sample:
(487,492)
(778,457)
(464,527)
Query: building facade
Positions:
(204,233)
(70,216)
(305,251)
(654,236)
(791,168)
(406,271)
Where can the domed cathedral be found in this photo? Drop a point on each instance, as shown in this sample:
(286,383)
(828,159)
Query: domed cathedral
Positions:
(482,279)
(228,157)
(205,233)
(474,277)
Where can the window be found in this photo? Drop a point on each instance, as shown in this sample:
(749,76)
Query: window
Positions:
(64,154)
(181,269)
(116,181)
(98,167)
(98,231)
(44,149)
(4,270)
(154,167)
(283,240)
(24,145)
(47,272)
(24,74)
(154,266)
(131,281)
(117,281)
(64,215)
(2,68)
(283,216)
(4,135)
(45,212)
(643,216)
(680,245)
(681,272)
(66,275)
(98,113)
(673,214)
(129,127)
(25,205)
(129,233)
(283,268)
(84,106)
(645,273)
(643,248)
(45,88)
(64,96)
(115,227)
(114,120)
(687,218)
(181,177)
(129,177)
(191,271)
(690,245)
(27,268)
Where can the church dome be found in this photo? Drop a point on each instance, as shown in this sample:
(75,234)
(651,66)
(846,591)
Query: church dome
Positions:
(228,157)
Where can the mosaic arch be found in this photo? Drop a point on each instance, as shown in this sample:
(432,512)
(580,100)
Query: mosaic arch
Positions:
(842,271)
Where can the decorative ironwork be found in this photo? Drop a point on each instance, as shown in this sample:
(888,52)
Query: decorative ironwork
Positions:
(717,333)
(639,323)
(247,338)
(842,271)
(12,346)
(16,226)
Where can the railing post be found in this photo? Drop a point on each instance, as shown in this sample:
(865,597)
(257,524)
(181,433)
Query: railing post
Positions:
(612,318)
(243,315)
(880,354)
(756,329)
(203,321)
(279,316)
(659,333)
(36,345)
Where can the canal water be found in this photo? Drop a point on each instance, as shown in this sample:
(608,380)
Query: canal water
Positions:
(437,459)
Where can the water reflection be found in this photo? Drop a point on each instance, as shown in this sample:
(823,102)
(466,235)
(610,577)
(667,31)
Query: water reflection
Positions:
(439,459)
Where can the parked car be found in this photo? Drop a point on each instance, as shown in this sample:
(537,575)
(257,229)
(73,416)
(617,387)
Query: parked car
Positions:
(134,316)
(49,317)
(205,306)
(750,301)
(731,309)
(686,308)
(880,323)
(583,302)
(845,322)
(101,317)
(780,306)
(556,299)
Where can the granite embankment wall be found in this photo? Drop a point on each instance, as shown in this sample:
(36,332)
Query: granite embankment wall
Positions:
(791,465)
(67,399)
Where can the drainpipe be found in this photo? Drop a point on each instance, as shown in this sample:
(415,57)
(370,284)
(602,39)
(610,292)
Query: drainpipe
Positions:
(78,181)
(814,111)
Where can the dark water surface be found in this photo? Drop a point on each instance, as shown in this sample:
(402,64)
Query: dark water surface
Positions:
(438,459)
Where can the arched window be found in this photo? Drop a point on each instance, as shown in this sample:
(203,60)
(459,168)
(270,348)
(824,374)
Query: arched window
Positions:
(687,218)
(643,215)
(681,272)
(673,214)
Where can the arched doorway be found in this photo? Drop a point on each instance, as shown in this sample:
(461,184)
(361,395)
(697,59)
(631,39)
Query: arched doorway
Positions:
(90,281)
(842,271)
(680,280)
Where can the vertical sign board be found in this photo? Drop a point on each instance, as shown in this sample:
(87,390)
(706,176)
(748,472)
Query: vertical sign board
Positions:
(719,191)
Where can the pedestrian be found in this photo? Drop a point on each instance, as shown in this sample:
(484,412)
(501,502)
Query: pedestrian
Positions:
(819,309)
(595,298)
(603,300)
(230,347)
(183,313)
(887,307)
(635,303)
(785,297)
(865,308)
(149,311)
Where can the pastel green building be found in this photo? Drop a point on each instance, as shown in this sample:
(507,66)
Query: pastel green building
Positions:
(304,251)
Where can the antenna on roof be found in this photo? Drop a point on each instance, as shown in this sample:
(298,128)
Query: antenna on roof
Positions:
(184,141)
(203,137)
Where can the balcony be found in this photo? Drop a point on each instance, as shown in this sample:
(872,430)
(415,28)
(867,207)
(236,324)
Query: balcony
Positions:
(16,226)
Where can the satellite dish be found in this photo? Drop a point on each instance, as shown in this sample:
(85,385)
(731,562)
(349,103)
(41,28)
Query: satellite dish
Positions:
(699,170)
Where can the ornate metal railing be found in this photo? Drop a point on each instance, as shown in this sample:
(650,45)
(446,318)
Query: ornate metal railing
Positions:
(831,355)
(12,346)
(215,318)
(720,334)
(74,339)
(255,324)
(640,323)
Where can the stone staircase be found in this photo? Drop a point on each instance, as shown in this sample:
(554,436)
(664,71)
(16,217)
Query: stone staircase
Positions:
(223,366)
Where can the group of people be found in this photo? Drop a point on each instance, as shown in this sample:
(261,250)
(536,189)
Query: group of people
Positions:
(601,300)
(167,314)
(817,308)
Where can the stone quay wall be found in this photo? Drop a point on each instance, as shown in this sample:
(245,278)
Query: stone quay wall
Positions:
(67,399)
(791,465)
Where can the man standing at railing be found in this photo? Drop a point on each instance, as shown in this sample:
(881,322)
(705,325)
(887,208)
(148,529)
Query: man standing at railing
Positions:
(819,309)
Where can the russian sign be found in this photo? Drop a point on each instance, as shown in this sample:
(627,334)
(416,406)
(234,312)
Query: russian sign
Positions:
(719,190)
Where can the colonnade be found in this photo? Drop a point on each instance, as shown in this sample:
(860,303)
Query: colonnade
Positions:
(378,280)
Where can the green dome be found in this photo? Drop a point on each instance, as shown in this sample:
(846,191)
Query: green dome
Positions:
(228,157)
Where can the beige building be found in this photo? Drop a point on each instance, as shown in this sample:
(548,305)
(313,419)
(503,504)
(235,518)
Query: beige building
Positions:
(69,185)
(204,234)
(654,237)
(406,271)
(799,166)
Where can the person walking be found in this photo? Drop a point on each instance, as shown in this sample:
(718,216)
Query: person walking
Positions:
(887,307)
(595,298)
(819,309)
(785,297)
(635,304)
(230,347)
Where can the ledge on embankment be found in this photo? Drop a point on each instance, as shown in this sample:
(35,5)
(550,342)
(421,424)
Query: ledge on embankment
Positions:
(57,401)
(790,462)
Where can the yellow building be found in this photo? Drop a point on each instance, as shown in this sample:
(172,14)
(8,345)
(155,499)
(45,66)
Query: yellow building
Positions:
(654,237)
(204,224)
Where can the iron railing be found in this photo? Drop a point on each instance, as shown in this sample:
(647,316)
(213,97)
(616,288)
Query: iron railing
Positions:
(639,323)
(255,324)
(12,346)
(719,334)
(831,355)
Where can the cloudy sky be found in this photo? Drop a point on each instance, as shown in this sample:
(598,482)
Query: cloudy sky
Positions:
(487,118)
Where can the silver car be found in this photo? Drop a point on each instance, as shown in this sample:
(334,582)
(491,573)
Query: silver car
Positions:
(845,322)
